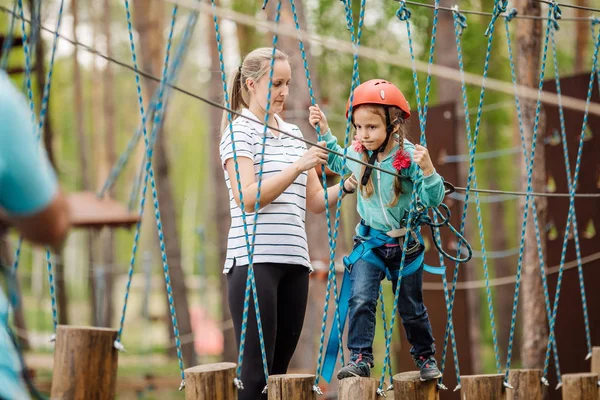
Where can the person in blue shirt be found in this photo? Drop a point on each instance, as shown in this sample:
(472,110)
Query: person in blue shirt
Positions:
(31,202)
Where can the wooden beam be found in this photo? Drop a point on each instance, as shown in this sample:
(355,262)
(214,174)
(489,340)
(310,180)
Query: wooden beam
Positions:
(210,382)
(291,387)
(482,387)
(408,386)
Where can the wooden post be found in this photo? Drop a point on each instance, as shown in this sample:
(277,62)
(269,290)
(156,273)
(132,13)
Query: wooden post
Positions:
(210,382)
(580,386)
(291,387)
(358,388)
(596,360)
(408,386)
(482,387)
(526,383)
(85,363)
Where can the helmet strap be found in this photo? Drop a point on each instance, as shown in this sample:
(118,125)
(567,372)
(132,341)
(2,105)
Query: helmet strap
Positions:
(389,129)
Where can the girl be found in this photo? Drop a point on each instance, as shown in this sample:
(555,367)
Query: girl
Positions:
(379,115)
(290,185)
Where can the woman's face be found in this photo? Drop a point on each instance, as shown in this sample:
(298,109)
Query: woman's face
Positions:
(282,74)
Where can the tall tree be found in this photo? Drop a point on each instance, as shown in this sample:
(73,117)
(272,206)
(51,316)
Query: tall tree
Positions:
(149,23)
(220,200)
(535,326)
(109,136)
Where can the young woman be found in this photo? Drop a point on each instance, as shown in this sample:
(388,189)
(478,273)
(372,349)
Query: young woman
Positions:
(290,185)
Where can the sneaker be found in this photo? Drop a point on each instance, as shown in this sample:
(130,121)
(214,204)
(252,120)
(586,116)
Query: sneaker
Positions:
(428,368)
(358,368)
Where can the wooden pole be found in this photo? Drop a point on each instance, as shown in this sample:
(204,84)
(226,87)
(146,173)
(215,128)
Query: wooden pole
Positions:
(526,383)
(580,386)
(358,388)
(85,363)
(210,382)
(291,387)
(535,327)
(596,360)
(408,386)
(482,387)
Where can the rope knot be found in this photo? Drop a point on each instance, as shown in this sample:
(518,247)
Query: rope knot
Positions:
(403,12)
(460,21)
(556,12)
(595,20)
(499,8)
(512,14)
(554,24)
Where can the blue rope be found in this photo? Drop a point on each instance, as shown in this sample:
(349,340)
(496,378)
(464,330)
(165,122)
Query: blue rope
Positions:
(251,281)
(189,28)
(404,15)
(9,38)
(527,198)
(571,204)
(499,8)
(563,132)
(386,333)
(149,173)
(332,279)
(237,380)
(40,126)
(459,25)
(511,15)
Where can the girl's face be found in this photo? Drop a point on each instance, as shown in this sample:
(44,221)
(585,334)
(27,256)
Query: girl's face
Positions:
(282,74)
(370,128)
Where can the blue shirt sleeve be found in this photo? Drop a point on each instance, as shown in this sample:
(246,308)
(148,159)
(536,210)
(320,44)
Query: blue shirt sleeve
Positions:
(27,181)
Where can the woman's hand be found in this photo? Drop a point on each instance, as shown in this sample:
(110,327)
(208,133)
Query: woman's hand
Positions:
(421,157)
(316,116)
(313,157)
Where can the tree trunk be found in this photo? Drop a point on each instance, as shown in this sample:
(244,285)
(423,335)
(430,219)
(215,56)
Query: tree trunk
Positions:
(535,326)
(98,159)
(109,132)
(581,37)
(220,201)
(48,138)
(148,22)
(78,109)
(450,91)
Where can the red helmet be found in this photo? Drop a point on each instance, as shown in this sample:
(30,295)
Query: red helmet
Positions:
(379,91)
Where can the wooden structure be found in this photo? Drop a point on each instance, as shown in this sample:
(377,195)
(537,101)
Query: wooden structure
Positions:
(211,382)
(89,211)
(580,386)
(482,387)
(408,386)
(291,387)
(85,363)
(358,388)
(527,385)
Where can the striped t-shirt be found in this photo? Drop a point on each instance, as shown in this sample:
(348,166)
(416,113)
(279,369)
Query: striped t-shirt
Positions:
(280,230)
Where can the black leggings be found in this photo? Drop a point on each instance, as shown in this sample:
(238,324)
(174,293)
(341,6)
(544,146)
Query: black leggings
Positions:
(282,294)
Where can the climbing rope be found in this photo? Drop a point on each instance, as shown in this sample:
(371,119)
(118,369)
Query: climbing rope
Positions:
(571,210)
(323,369)
(552,13)
(40,127)
(149,173)
(460,23)
(173,69)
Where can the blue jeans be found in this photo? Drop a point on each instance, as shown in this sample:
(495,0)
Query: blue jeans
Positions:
(365,279)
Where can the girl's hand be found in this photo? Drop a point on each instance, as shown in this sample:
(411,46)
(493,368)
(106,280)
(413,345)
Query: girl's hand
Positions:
(316,116)
(421,157)
(313,157)
(350,184)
